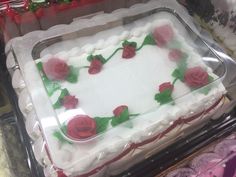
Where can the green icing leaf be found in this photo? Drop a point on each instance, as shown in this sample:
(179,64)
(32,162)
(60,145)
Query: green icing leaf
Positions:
(40,66)
(210,79)
(90,58)
(177,73)
(66,1)
(164,97)
(182,64)
(149,40)
(127,43)
(64,128)
(99,57)
(57,104)
(180,71)
(124,116)
(58,135)
(51,86)
(33,7)
(101,124)
(205,90)
(64,93)
(73,75)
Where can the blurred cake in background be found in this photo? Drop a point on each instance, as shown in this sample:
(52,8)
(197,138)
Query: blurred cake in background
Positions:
(215,161)
(218,16)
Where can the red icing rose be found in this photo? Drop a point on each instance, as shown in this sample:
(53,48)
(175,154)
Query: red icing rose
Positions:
(165,86)
(163,35)
(119,110)
(175,55)
(128,52)
(95,66)
(81,127)
(56,69)
(60,174)
(70,102)
(196,77)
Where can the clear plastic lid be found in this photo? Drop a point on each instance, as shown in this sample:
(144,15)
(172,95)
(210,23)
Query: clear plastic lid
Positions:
(104,86)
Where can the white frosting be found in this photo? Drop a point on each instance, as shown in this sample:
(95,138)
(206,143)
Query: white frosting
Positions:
(38,148)
(132,82)
(10,61)
(24,102)
(18,82)
(32,125)
(40,153)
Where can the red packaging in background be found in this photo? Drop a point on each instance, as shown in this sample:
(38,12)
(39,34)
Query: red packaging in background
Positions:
(18,18)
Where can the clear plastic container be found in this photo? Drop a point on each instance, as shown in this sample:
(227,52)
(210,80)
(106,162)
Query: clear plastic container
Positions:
(103,93)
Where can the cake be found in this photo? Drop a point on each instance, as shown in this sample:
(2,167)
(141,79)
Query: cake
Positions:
(116,96)
(122,91)
(218,162)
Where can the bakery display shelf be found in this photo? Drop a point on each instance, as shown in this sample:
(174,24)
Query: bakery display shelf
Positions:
(158,164)
(5,165)
(15,163)
(20,139)
(5,107)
